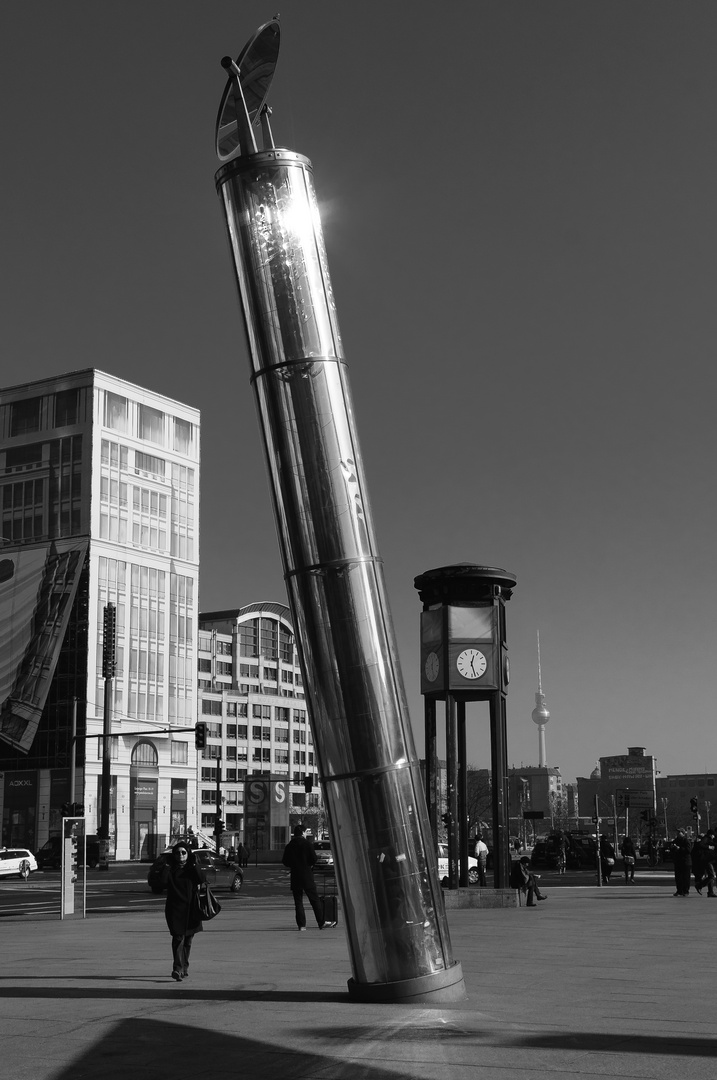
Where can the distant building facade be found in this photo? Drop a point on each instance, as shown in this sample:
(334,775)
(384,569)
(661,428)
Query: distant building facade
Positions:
(614,779)
(251,697)
(99,504)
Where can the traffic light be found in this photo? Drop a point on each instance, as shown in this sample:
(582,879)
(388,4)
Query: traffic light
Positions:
(693,805)
(219,826)
(66,809)
(200,736)
(308,783)
(78,810)
(109,642)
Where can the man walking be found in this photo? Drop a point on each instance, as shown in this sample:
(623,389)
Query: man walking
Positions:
(681,849)
(299,856)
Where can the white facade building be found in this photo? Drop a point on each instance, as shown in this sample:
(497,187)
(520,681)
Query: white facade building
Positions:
(89,460)
(252,700)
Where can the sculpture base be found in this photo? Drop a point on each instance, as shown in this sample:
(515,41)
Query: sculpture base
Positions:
(441,988)
(479,898)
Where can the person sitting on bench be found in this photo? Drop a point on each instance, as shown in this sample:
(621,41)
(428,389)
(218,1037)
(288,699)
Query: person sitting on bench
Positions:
(523,879)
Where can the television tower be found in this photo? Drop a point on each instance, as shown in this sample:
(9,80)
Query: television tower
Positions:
(540,714)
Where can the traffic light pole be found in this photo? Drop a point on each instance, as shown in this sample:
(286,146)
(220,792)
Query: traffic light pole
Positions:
(108,670)
(218,819)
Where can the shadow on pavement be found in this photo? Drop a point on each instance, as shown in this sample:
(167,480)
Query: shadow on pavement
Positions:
(168,990)
(160,1050)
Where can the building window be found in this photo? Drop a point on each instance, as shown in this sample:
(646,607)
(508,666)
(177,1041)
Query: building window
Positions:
(269,639)
(205,665)
(180,754)
(242,731)
(263,711)
(281,757)
(231,753)
(211,753)
(149,464)
(282,715)
(281,735)
(66,407)
(183,437)
(211,707)
(114,748)
(214,731)
(232,710)
(209,774)
(151,425)
(286,645)
(25,416)
(249,671)
(224,667)
(270,673)
(231,731)
(249,638)
(287,676)
(116,411)
(209,795)
(224,648)
(299,736)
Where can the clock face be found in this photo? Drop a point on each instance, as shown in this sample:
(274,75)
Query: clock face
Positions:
(471,664)
(431,667)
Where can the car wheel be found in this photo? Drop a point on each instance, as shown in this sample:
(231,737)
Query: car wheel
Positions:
(24,869)
(237,882)
(473,878)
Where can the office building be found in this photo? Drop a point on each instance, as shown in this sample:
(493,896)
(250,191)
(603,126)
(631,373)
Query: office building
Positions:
(100,505)
(251,697)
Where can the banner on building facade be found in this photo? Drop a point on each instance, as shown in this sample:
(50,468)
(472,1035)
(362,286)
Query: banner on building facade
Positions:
(38,585)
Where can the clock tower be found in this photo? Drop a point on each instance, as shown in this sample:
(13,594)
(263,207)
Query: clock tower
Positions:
(464,657)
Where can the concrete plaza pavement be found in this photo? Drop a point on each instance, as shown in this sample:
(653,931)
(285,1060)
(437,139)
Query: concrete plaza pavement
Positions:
(612,982)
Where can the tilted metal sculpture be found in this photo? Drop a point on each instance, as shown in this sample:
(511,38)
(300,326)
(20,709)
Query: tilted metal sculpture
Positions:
(385,860)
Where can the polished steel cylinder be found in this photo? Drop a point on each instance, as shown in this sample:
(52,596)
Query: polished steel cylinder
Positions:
(386,865)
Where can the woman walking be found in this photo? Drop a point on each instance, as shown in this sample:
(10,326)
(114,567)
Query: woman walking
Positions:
(181,878)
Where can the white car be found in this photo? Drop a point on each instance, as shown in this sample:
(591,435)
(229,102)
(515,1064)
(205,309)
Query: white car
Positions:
(18,861)
(443,866)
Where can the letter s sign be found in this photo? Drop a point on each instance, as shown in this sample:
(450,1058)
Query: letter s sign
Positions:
(256,792)
(279,792)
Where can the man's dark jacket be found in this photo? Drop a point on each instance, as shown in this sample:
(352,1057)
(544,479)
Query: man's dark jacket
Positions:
(299,856)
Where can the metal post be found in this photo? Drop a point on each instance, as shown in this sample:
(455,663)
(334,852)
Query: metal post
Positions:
(217,829)
(597,833)
(452,790)
(462,796)
(108,670)
(499,761)
(73,752)
(431,774)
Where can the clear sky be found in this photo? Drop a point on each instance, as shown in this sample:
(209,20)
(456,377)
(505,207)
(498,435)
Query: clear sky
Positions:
(519,208)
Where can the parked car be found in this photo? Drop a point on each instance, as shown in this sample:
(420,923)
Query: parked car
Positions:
(324,857)
(49,857)
(443,866)
(217,869)
(18,861)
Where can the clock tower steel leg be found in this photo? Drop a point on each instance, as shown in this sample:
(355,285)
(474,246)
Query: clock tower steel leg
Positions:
(451,761)
(499,763)
(462,797)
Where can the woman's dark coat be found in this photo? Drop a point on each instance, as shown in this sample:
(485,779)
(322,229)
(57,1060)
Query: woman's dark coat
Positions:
(182,907)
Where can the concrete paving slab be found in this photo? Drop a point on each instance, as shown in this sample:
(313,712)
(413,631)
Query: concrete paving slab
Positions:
(612,982)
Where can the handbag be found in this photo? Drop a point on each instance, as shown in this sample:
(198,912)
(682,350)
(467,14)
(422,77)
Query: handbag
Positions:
(609,862)
(209,906)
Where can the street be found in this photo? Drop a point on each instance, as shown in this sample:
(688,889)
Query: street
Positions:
(124,888)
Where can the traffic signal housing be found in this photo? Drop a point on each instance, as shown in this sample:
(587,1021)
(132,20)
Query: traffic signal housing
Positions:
(200,736)
(693,805)
(308,783)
